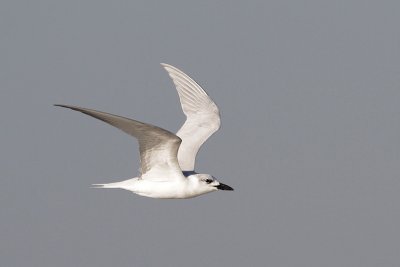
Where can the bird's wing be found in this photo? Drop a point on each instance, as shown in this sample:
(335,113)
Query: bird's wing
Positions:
(202,117)
(158,147)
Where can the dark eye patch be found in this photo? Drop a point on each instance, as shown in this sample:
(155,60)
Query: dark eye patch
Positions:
(209,181)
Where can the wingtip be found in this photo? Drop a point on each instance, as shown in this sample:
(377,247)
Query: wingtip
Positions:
(165,65)
(172,69)
(59,105)
(168,66)
(63,106)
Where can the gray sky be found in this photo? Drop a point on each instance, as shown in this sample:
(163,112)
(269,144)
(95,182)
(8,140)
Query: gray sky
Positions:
(309,95)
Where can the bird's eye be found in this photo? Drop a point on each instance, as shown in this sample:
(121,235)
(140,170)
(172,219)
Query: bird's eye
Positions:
(209,181)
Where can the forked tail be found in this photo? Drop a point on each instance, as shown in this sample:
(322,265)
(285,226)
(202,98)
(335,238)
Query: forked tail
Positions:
(110,185)
(123,184)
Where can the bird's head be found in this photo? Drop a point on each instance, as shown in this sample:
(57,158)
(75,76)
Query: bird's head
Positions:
(206,183)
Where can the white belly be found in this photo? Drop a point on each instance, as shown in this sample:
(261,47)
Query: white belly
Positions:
(155,189)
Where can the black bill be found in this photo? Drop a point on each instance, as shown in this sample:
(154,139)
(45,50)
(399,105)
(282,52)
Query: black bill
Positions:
(222,186)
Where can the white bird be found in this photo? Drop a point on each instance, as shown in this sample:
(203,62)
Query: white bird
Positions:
(167,160)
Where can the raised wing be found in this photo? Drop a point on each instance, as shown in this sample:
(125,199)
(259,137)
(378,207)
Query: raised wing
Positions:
(202,117)
(158,147)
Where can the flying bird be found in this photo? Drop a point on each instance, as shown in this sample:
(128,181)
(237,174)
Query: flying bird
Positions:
(167,160)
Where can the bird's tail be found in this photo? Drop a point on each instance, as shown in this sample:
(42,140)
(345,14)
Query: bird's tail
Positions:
(123,184)
(110,185)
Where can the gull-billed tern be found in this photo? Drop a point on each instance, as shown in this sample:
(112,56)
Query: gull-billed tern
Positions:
(167,160)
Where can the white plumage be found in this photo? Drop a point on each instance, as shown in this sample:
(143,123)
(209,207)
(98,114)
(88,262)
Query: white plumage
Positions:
(168,160)
(202,117)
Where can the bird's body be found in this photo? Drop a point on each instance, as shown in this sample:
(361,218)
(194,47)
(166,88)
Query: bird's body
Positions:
(167,160)
(185,188)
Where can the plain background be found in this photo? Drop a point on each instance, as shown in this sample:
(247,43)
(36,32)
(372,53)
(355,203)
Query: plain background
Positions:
(309,95)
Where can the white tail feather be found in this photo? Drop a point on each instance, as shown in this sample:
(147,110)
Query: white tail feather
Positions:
(110,185)
(123,184)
